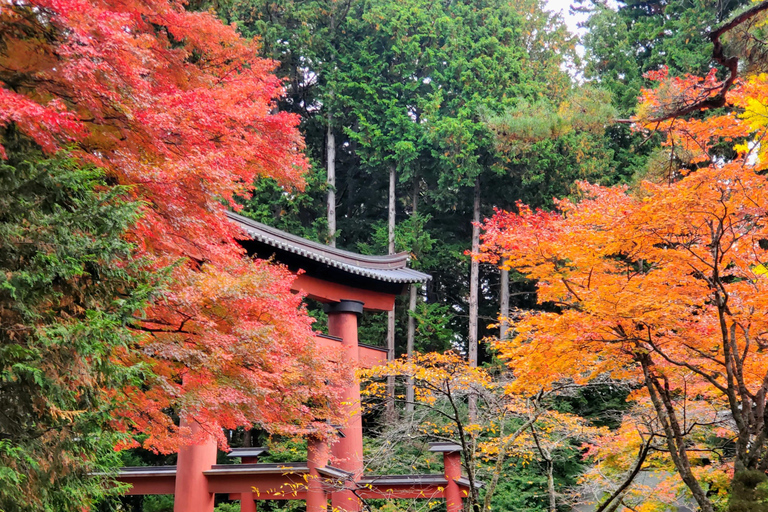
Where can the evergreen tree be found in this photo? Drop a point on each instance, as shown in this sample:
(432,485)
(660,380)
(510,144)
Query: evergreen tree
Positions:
(412,85)
(68,290)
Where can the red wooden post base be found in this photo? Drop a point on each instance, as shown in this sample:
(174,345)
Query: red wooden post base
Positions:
(317,457)
(191,489)
(452,469)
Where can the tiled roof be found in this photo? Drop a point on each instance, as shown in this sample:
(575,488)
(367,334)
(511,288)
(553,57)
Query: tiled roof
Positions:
(256,451)
(392,268)
(403,480)
(382,480)
(444,447)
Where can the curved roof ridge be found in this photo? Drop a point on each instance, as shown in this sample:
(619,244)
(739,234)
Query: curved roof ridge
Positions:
(391,267)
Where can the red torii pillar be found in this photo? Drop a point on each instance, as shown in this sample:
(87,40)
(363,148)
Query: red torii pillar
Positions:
(191,490)
(348,451)
(317,457)
(452,470)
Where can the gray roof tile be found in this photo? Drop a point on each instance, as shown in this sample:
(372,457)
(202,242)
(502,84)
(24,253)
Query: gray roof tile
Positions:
(391,268)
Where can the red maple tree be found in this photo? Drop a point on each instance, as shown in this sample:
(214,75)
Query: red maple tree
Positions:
(178,106)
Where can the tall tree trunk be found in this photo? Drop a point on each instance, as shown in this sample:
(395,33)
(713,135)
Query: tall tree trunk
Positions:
(504,303)
(547,456)
(330,148)
(391,314)
(409,391)
(474,275)
(667,416)
(551,486)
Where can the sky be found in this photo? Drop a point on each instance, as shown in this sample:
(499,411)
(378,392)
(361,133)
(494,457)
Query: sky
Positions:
(570,19)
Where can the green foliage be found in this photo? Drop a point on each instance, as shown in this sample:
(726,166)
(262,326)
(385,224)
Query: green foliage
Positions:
(749,492)
(523,480)
(588,109)
(603,405)
(372,328)
(523,486)
(68,289)
(386,54)
(525,124)
(547,148)
(290,211)
(285,450)
(411,236)
(610,58)
(433,332)
(226,507)
(160,503)
(674,33)
(434,327)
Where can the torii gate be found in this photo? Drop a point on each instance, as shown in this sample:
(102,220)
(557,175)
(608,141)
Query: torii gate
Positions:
(347,283)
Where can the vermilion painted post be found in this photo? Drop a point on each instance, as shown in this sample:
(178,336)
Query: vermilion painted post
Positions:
(191,491)
(452,470)
(348,451)
(317,457)
(246,502)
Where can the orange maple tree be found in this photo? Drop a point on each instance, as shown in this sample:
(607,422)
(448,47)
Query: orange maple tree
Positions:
(177,106)
(661,285)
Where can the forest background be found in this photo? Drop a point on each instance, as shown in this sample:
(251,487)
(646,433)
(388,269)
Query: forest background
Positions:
(419,119)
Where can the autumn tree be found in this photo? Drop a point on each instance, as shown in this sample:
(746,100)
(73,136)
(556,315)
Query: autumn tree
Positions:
(177,107)
(659,286)
(631,467)
(504,427)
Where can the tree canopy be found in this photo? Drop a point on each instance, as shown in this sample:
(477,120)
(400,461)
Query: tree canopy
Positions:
(625,241)
(176,108)
(661,285)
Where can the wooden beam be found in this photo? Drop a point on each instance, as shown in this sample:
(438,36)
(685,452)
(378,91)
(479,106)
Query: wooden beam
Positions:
(326,291)
(161,484)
